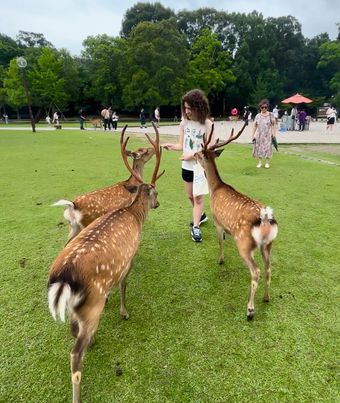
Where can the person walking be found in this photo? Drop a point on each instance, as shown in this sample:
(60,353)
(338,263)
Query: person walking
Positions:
(81,120)
(105,113)
(331,118)
(142,119)
(276,114)
(263,132)
(55,118)
(114,120)
(195,122)
(157,116)
(302,119)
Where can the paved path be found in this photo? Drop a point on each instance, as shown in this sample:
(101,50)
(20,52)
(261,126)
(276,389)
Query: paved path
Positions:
(315,135)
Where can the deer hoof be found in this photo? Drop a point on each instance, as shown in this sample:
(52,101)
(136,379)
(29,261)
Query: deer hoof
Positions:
(220,261)
(124,316)
(250,314)
(266,298)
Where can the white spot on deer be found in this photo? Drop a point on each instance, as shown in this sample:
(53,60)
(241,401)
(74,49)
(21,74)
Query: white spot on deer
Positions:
(97,269)
(103,267)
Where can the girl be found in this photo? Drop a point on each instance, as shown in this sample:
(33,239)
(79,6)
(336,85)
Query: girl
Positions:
(195,122)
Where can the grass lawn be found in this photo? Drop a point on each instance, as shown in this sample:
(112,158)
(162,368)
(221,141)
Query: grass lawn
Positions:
(187,339)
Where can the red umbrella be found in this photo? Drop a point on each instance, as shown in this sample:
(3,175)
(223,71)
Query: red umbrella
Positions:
(297,99)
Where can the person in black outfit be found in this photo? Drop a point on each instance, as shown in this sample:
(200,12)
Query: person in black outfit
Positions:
(81,119)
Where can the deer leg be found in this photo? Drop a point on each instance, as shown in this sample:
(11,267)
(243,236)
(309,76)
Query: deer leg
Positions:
(87,329)
(74,326)
(265,251)
(247,255)
(220,237)
(122,289)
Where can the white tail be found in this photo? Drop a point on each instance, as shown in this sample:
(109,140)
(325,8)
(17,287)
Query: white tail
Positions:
(59,295)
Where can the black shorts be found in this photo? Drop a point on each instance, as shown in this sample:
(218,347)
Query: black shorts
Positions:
(187,176)
(330,121)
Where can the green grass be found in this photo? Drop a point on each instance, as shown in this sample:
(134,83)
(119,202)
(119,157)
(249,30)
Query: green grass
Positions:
(187,339)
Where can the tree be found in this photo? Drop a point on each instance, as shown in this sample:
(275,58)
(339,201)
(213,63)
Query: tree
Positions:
(33,40)
(142,12)
(104,59)
(46,80)
(15,92)
(155,67)
(210,65)
(9,49)
(330,62)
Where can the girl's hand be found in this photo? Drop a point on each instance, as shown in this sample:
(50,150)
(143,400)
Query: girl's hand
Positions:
(168,146)
(187,157)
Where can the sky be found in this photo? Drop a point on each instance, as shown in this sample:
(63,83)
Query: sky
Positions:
(66,23)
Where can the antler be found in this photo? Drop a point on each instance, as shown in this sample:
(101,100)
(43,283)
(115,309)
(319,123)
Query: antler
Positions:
(124,156)
(157,148)
(231,138)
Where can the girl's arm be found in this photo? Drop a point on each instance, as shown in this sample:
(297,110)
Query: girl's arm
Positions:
(176,146)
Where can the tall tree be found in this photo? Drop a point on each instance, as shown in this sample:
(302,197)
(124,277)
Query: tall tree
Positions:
(104,58)
(33,40)
(142,12)
(330,63)
(15,92)
(210,65)
(8,50)
(155,65)
(46,80)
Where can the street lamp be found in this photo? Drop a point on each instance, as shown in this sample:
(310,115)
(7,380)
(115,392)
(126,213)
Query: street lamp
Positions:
(22,64)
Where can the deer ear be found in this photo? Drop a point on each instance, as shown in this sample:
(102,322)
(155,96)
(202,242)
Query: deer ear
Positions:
(219,152)
(131,188)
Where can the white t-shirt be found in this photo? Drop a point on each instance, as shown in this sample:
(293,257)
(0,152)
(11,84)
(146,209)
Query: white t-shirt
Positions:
(193,139)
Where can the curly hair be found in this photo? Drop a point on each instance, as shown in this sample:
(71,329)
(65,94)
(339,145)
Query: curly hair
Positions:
(198,102)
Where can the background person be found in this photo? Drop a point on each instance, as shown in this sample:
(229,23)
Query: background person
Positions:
(195,122)
(276,114)
(302,119)
(263,131)
(81,119)
(331,117)
(142,119)
(114,120)
(55,118)
(157,116)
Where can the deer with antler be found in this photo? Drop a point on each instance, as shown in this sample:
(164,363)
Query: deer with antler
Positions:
(99,258)
(249,222)
(87,207)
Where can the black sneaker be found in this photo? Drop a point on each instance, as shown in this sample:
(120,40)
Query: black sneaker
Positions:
(203,219)
(196,234)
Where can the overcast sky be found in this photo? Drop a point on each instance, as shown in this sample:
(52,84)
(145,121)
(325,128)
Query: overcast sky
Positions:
(66,23)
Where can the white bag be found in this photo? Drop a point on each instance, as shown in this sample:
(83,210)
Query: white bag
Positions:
(200,185)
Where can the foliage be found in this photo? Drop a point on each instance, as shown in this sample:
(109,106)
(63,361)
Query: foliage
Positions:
(33,40)
(187,339)
(9,49)
(47,80)
(104,60)
(210,65)
(234,57)
(142,12)
(13,86)
(156,63)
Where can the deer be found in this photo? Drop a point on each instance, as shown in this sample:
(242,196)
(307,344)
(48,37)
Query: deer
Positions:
(99,258)
(85,208)
(248,221)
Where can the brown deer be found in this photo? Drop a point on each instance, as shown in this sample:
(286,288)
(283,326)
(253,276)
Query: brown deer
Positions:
(99,258)
(249,222)
(87,207)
